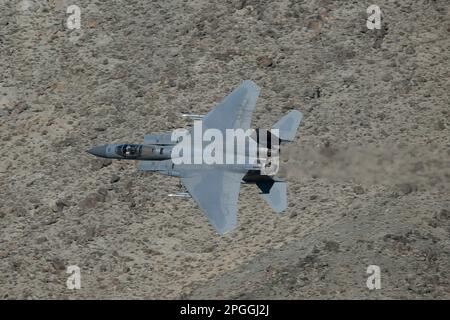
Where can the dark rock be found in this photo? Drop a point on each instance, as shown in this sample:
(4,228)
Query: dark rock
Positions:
(57,263)
(49,221)
(418,166)
(410,50)
(358,190)
(440,125)
(182,85)
(405,188)
(59,205)
(397,238)
(105,162)
(4,112)
(332,246)
(172,83)
(68,142)
(240,4)
(91,200)
(379,35)
(431,255)
(444,214)
(432,222)
(103,192)
(327,150)
(90,233)
(100,128)
(98,164)
(311,93)
(114,178)
(21,107)
(41,240)
(265,62)
(210,248)
(387,77)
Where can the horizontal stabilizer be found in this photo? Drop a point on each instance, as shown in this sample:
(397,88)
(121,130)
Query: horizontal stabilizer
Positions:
(288,125)
(275,194)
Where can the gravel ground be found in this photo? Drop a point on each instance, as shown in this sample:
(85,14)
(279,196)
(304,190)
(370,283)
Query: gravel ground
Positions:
(369,172)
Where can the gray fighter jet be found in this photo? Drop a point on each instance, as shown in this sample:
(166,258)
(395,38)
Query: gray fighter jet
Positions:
(215,187)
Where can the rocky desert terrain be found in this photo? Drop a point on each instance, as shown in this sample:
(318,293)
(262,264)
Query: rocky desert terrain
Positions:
(369,172)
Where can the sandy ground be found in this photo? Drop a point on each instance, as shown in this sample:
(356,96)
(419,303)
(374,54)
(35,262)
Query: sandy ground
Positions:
(369,172)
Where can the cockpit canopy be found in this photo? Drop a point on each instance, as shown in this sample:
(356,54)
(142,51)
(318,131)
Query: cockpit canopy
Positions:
(129,150)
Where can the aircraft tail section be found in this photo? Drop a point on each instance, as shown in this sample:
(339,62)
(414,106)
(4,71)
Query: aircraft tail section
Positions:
(288,125)
(274,193)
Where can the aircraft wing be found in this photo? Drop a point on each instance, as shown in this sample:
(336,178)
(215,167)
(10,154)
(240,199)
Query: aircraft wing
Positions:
(216,191)
(235,111)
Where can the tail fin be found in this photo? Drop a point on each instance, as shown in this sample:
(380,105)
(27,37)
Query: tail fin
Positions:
(275,194)
(288,125)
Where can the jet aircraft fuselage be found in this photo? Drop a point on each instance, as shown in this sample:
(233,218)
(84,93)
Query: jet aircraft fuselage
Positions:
(215,185)
(132,151)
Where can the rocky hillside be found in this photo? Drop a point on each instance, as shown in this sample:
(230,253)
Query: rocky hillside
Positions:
(369,173)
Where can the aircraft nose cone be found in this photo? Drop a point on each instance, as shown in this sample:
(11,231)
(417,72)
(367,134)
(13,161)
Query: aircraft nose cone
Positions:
(99,151)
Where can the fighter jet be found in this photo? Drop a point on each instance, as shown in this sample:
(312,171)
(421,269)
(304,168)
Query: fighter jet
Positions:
(215,187)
